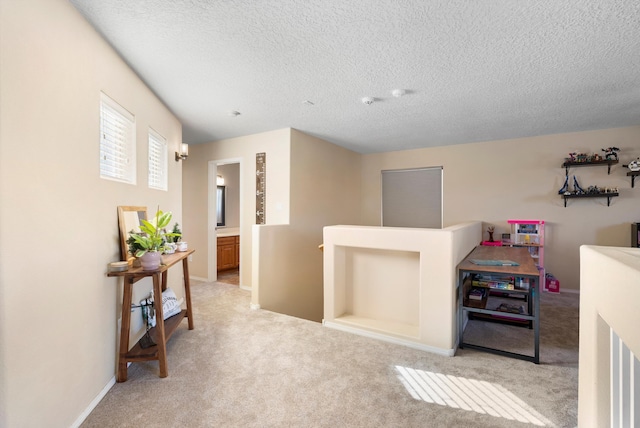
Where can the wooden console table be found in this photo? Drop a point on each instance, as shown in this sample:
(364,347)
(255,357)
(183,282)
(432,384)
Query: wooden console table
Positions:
(526,269)
(164,328)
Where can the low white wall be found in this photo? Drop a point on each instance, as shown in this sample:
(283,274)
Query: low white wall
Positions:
(609,296)
(360,302)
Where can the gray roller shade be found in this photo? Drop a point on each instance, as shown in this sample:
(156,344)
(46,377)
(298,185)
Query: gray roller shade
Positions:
(412,197)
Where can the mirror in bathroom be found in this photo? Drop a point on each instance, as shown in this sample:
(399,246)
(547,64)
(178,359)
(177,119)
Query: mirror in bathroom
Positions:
(220,198)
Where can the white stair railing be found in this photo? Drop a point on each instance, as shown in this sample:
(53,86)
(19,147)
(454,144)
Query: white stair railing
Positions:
(625,385)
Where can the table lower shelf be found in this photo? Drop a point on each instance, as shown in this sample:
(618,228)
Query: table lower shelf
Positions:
(138,353)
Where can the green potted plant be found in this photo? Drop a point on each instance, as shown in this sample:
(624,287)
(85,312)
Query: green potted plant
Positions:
(152,240)
(177,234)
(172,241)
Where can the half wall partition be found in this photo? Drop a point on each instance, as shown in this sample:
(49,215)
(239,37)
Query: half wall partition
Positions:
(396,284)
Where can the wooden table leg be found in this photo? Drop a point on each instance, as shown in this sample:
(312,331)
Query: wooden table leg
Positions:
(164,280)
(125,324)
(161,338)
(187,291)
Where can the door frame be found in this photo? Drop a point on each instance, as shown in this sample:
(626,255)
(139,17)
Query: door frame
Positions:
(212,209)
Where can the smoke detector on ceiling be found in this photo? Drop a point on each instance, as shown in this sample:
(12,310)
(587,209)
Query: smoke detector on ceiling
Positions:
(368,100)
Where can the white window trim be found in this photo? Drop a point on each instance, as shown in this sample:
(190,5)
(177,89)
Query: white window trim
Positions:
(158,147)
(117,142)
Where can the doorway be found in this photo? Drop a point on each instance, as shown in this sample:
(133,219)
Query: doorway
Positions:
(224,221)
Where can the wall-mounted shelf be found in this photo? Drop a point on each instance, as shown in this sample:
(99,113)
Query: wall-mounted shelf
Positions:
(590,195)
(568,164)
(633,174)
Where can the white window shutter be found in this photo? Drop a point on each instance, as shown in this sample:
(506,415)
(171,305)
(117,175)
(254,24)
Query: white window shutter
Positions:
(117,142)
(157,161)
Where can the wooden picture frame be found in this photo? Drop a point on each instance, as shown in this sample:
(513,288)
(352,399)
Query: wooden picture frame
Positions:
(129,219)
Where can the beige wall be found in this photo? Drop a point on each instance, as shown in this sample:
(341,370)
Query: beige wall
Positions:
(198,180)
(325,184)
(519,179)
(325,180)
(58,310)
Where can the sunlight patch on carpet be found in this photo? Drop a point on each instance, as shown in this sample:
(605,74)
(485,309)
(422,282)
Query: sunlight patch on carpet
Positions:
(468,394)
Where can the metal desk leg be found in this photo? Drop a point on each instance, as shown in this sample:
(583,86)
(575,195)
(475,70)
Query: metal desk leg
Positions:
(536,320)
(460,309)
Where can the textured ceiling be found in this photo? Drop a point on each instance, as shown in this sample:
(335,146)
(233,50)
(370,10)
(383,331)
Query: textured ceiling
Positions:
(473,70)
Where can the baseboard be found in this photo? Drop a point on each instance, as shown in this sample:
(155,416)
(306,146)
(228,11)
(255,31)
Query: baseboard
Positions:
(245,288)
(197,278)
(94,403)
(254,306)
(390,339)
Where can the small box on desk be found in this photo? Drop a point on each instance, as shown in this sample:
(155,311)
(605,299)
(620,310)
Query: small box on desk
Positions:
(551,284)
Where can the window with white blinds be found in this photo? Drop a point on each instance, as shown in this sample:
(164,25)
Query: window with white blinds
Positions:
(157,161)
(117,142)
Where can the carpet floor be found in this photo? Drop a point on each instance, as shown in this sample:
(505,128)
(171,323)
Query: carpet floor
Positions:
(255,368)
(231,276)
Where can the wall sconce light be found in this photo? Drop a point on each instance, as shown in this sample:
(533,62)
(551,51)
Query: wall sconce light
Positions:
(219,180)
(183,153)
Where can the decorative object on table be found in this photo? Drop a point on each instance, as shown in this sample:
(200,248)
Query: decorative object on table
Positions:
(118,266)
(182,246)
(177,234)
(530,234)
(611,153)
(490,230)
(149,318)
(172,241)
(506,239)
(152,240)
(170,307)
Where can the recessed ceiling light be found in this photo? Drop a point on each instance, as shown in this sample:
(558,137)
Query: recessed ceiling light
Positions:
(234,113)
(398,92)
(368,100)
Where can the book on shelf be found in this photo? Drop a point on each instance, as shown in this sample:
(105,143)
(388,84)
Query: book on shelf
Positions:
(511,308)
(477,294)
(498,285)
